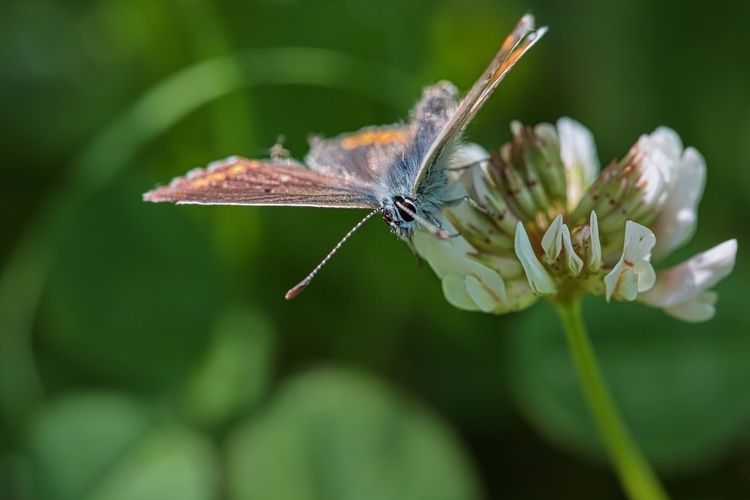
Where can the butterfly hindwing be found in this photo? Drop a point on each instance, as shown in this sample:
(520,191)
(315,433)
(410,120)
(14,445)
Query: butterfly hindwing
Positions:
(239,181)
(360,155)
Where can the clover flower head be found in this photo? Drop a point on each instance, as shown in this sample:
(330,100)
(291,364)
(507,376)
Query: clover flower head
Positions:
(547,223)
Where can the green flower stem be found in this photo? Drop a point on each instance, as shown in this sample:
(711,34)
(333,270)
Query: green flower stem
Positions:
(636,476)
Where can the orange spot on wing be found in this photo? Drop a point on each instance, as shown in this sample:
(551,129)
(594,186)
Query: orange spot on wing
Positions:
(374,137)
(218,176)
(200,183)
(253,164)
(236,169)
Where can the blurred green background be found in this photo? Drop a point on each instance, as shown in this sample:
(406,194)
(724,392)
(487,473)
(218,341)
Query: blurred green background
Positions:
(147,351)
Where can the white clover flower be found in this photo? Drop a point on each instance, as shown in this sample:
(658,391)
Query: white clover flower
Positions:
(551,224)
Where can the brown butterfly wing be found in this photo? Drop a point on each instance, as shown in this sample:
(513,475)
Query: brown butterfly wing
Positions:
(239,181)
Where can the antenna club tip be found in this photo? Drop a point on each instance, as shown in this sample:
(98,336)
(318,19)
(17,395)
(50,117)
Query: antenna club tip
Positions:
(296,290)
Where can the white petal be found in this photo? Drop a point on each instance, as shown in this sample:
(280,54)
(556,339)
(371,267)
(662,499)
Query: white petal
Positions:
(578,153)
(574,261)
(676,222)
(445,257)
(552,239)
(639,240)
(595,261)
(627,285)
(696,310)
(661,156)
(454,289)
(445,260)
(548,133)
(469,153)
(646,275)
(611,279)
(539,280)
(669,141)
(467,284)
(506,267)
(686,281)
(481,295)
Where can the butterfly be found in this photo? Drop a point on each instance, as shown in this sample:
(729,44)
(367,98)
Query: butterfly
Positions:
(400,171)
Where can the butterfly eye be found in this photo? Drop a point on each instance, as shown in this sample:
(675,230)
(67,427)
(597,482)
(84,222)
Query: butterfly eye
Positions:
(387,217)
(405,215)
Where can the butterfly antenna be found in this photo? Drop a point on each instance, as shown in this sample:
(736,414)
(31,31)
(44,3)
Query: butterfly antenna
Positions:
(432,228)
(303,284)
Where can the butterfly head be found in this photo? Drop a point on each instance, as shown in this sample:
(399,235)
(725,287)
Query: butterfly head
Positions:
(400,213)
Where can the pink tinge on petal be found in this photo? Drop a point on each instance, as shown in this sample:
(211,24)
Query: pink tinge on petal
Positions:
(686,281)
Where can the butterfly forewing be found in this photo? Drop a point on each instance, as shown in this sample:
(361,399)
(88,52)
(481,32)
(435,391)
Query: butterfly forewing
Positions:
(514,46)
(239,181)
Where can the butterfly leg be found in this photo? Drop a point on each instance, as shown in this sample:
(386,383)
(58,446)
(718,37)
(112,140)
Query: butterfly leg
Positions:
(466,167)
(438,224)
(486,211)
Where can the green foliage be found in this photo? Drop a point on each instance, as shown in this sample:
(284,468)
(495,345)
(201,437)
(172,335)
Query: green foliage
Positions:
(101,446)
(329,433)
(337,434)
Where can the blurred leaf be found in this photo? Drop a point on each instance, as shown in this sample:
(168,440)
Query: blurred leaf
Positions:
(682,388)
(107,447)
(235,371)
(337,434)
(75,440)
(133,291)
(169,463)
